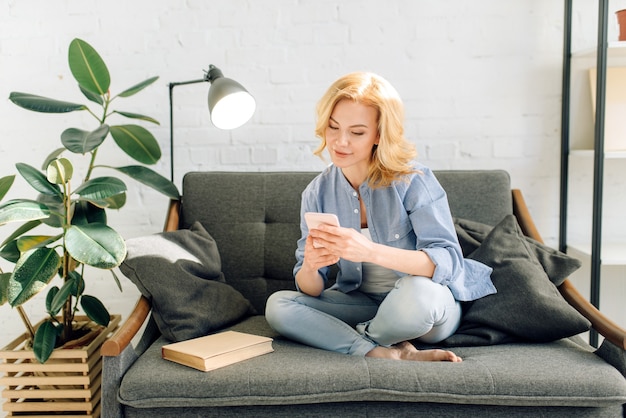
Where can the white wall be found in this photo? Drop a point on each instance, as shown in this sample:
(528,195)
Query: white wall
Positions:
(481,82)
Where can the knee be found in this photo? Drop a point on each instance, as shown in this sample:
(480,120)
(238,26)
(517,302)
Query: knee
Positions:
(276,308)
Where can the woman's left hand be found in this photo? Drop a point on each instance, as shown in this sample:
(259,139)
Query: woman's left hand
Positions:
(345,243)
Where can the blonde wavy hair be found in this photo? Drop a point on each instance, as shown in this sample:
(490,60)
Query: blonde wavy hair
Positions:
(392,157)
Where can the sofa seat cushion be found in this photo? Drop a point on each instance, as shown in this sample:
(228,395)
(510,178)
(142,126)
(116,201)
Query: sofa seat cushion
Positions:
(560,373)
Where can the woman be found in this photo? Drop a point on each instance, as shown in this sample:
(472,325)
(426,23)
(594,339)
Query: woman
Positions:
(401,270)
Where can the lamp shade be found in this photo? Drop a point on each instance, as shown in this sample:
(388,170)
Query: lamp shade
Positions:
(230,104)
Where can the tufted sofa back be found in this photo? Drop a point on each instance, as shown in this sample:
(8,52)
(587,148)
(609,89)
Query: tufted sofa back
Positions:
(255,218)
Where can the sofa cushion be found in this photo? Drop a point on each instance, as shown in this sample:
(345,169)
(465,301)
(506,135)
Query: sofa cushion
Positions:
(180,272)
(557,265)
(527,306)
(551,374)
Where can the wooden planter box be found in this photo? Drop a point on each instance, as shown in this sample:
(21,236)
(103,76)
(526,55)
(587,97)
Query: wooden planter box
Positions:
(67,385)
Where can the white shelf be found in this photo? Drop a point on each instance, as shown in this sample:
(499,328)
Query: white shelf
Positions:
(588,153)
(616,49)
(613,253)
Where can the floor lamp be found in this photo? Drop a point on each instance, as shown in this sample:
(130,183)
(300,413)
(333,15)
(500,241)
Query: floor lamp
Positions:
(230,104)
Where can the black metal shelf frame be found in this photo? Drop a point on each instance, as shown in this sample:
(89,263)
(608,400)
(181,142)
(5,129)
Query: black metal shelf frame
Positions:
(598,159)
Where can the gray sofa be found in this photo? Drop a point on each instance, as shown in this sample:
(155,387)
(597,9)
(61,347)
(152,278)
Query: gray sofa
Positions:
(254,220)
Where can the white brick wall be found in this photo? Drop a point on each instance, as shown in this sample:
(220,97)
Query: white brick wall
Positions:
(481,82)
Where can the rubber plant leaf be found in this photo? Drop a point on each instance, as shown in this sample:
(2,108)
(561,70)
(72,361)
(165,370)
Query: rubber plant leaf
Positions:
(5,184)
(33,271)
(45,340)
(137,142)
(21,230)
(137,116)
(28,242)
(38,180)
(85,213)
(88,68)
(59,171)
(151,179)
(4,284)
(95,245)
(138,87)
(22,210)
(56,207)
(95,310)
(60,297)
(50,297)
(81,142)
(43,104)
(100,188)
(92,96)
(52,156)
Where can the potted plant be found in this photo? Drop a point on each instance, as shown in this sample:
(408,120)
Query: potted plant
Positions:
(74,208)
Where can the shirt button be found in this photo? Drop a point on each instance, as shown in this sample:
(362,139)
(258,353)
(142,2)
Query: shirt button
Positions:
(397,236)
(356,211)
(354,194)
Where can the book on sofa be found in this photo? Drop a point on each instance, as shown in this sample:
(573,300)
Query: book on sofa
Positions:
(217,350)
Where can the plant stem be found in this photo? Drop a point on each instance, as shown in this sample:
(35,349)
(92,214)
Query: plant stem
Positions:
(68,315)
(26,321)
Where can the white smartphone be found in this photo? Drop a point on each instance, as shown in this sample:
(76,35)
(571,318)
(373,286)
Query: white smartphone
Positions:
(314,219)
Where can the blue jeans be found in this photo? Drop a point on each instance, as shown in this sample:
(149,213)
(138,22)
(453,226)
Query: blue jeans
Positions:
(356,322)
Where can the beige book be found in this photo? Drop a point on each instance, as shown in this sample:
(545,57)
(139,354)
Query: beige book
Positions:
(217,350)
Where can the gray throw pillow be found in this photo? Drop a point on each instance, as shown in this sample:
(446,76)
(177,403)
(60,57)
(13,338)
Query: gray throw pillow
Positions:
(180,273)
(527,306)
(557,265)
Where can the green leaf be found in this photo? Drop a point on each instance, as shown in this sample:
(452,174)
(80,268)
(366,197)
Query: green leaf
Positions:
(22,210)
(10,252)
(78,283)
(4,284)
(37,180)
(52,156)
(43,104)
(96,245)
(117,280)
(98,189)
(138,87)
(151,179)
(93,97)
(28,242)
(60,297)
(21,230)
(45,340)
(137,142)
(82,142)
(95,310)
(56,207)
(5,185)
(88,68)
(59,171)
(86,213)
(33,271)
(114,202)
(50,297)
(137,116)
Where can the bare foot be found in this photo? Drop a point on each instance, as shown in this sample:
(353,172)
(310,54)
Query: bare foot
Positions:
(407,351)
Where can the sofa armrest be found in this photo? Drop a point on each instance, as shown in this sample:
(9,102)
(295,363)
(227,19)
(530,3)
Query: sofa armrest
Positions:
(116,344)
(600,322)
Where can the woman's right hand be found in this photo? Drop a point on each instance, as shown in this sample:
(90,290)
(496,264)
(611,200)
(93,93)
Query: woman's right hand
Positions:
(308,277)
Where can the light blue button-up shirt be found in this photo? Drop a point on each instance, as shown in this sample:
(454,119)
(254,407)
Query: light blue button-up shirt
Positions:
(410,215)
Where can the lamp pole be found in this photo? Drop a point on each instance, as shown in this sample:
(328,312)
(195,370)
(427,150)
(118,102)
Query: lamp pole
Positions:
(228,114)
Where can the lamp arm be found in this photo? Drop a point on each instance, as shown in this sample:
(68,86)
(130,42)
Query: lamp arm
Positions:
(171,90)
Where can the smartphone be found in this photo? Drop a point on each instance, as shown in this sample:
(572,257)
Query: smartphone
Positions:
(314,219)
